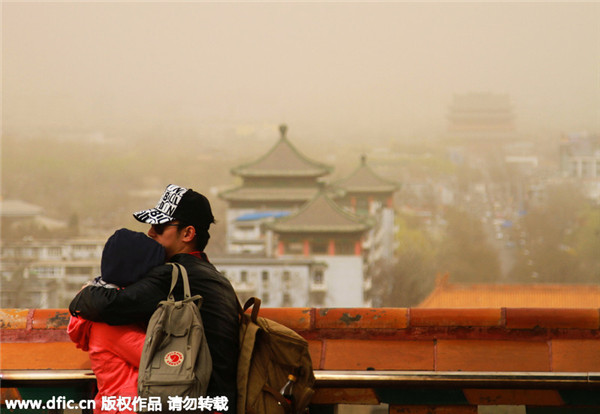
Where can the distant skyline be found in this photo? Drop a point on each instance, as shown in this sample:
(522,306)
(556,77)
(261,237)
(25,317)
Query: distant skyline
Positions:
(332,70)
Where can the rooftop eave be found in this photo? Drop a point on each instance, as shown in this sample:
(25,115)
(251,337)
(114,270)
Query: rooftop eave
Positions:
(263,198)
(319,229)
(386,189)
(368,181)
(258,195)
(245,172)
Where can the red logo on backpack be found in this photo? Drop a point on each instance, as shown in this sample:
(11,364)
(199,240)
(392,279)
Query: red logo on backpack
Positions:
(174,358)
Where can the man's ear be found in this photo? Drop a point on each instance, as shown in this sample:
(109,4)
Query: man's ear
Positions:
(189,233)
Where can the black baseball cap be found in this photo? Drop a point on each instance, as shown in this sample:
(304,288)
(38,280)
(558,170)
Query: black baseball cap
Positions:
(179,203)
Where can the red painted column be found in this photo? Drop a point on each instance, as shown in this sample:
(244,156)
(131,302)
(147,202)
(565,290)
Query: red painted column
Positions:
(306,248)
(357,248)
(331,247)
(280,248)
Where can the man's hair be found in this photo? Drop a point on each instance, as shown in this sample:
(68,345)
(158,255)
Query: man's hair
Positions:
(201,238)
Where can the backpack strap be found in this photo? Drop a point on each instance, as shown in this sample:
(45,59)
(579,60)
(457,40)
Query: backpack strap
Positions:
(253,302)
(174,277)
(179,269)
(186,283)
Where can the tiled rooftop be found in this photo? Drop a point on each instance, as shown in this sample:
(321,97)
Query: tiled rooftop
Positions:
(454,295)
(283,160)
(364,179)
(269,194)
(321,215)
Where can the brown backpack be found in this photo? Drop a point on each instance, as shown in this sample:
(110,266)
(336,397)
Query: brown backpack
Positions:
(269,352)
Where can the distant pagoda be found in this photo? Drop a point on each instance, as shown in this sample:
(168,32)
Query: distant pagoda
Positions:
(321,227)
(481,115)
(364,190)
(325,232)
(283,178)
(273,186)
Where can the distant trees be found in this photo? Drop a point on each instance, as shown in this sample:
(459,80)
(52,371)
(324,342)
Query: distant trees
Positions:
(586,243)
(561,239)
(410,277)
(462,250)
(73,225)
(465,252)
(101,182)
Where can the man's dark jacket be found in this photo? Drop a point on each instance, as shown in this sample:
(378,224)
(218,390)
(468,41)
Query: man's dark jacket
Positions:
(137,302)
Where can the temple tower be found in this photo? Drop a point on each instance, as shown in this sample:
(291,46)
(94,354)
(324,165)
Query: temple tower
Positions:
(273,186)
(324,232)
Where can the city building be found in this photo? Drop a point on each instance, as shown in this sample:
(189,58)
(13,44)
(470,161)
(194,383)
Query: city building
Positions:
(47,273)
(41,263)
(290,282)
(580,161)
(17,217)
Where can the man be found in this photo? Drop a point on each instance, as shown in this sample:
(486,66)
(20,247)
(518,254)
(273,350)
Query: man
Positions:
(180,223)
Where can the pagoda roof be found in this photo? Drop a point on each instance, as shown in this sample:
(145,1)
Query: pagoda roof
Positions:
(456,295)
(18,208)
(283,160)
(269,194)
(321,215)
(364,180)
(481,102)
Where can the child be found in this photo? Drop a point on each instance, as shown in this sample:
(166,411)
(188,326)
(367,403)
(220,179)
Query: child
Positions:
(115,351)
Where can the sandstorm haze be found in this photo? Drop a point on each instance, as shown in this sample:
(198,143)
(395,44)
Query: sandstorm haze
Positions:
(105,103)
(335,72)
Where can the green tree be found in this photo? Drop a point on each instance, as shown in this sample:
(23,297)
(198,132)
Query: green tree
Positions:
(586,243)
(465,252)
(73,226)
(410,277)
(561,239)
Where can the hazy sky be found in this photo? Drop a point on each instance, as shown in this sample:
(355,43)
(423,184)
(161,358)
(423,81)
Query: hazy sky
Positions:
(340,69)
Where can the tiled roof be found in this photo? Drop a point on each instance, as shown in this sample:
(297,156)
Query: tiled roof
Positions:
(481,102)
(364,180)
(321,215)
(450,295)
(283,160)
(269,194)
(18,208)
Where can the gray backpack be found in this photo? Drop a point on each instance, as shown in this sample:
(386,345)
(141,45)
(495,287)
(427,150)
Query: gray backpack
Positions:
(175,361)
